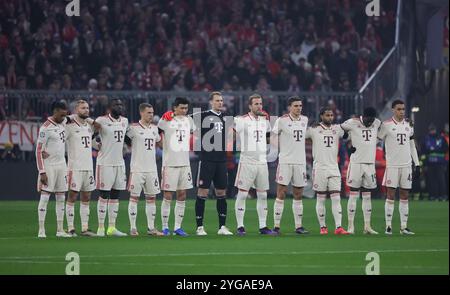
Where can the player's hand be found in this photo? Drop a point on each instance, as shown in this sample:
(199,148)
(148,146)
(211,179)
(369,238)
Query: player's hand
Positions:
(352,150)
(45,155)
(416,172)
(44,179)
(168,116)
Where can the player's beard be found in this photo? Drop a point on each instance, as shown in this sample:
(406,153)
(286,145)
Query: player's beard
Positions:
(84,117)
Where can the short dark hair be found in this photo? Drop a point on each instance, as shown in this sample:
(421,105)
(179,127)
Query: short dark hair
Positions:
(293,99)
(370,112)
(396,102)
(180,100)
(59,105)
(211,95)
(112,100)
(325,109)
(252,97)
(143,106)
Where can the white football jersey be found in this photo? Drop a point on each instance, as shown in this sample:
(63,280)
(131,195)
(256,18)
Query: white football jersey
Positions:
(176,141)
(291,141)
(112,136)
(397,137)
(363,138)
(79,146)
(143,147)
(252,134)
(325,145)
(51,139)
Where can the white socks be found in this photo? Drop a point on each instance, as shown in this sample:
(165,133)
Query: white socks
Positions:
(403,209)
(389,212)
(60,198)
(102,205)
(150,211)
(239,208)
(84,215)
(132,212)
(278,212)
(113,210)
(165,213)
(42,210)
(351,208)
(261,208)
(366,208)
(320,209)
(179,213)
(70,215)
(297,209)
(336,208)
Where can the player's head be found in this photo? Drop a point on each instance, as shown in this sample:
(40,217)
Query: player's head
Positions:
(59,110)
(115,107)
(295,105)
(398,108)
(146,111)
(369,115)
(326,115)
(82,109)
(255,104)
(216,101)
(180,106)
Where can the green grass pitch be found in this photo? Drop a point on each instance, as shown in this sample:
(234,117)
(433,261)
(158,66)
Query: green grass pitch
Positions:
(21,252)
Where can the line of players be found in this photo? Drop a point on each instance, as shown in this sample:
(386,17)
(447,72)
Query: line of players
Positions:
(254,132)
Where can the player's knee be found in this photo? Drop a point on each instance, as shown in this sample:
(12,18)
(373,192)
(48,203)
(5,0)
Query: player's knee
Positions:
(150,199)
(221,193)
(181,195)
(85,196)
(202,192)
(105,194)
(134,199)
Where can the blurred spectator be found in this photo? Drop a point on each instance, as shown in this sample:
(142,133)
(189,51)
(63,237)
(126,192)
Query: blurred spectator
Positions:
(11,153)
(434,148)
(380,168)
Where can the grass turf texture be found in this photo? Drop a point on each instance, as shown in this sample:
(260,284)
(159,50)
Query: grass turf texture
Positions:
(21,252)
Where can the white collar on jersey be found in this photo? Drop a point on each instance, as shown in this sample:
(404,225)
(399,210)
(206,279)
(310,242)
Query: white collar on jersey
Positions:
(294,119)
(397,122)
(325,126)
(114,120)
(143,125)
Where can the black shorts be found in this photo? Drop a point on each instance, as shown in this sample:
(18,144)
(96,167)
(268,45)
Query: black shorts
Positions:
(215,172)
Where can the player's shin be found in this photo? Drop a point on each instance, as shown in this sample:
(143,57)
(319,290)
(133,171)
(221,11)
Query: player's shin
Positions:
(367,208)
(132,211)
(84,215)
(221,206)
(403,209)
(336,208)
(60,198)
(179,213)
(240,207)
(165,213)
(70,215)
(102,205)
(297,209)
(42,210)
(351,209)
(199,210)
(278,208)
(389,212)
(113,210)
(261,208)
(150,212)
(320,209)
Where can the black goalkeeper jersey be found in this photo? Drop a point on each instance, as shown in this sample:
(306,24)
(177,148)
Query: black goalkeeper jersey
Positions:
(213,136)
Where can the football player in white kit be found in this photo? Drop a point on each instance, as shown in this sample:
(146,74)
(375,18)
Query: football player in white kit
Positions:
(253,130)
(143,171)
(81,167)
(176,170)
(398,136)
(110,170)
(289,132)
(326,175)
(361,174)
(51,164)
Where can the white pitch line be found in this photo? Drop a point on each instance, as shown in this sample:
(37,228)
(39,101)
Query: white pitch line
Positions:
(234,253)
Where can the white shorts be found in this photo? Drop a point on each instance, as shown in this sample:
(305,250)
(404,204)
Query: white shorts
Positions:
(326,180)
(176,178)
(252,175)
(147,181)
(395,177)
(111,177)
(81,181)
(57,179)
(290,173)
(361,175)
